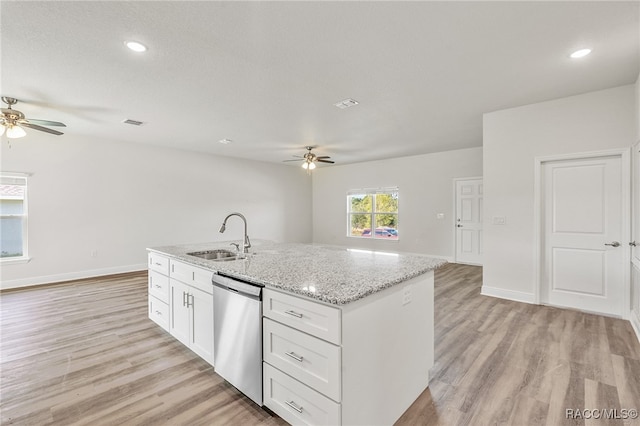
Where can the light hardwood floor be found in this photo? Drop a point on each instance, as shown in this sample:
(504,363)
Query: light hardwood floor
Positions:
(84,352)
(499,362)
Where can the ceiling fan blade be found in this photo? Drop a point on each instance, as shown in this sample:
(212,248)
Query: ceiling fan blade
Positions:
(325,161)
(299,159)
(43,122)
(323,157)
(42,129)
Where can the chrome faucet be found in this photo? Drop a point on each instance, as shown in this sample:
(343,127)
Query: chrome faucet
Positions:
(247,243)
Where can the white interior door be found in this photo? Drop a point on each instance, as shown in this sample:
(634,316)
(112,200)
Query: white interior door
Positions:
(583,241)
(469,221)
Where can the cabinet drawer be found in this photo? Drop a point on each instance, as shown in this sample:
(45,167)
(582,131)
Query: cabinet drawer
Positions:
(312,361)
(295,402)
(159,286)
(192,275)
(159,263)
(159,312)
(314,318)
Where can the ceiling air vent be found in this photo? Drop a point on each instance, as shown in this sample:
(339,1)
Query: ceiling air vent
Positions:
(346,103)
(133,122)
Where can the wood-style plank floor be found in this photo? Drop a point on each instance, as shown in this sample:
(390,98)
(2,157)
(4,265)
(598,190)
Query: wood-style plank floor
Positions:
(499,362)
(85,353)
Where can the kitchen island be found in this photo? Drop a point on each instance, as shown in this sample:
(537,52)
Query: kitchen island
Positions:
(363,341)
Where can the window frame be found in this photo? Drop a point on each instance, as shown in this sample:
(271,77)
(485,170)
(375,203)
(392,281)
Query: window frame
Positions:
(373,214)
(24,215)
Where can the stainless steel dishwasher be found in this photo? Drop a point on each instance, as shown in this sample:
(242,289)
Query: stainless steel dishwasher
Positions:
(237,334)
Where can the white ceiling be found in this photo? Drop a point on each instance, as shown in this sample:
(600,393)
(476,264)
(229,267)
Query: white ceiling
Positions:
(266,74)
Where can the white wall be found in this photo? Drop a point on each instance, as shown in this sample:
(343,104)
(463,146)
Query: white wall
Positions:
(512,139)
(117,199)
(426,188)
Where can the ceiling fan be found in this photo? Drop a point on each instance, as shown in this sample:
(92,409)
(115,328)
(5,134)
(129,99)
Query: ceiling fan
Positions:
(310,159)
(12,121)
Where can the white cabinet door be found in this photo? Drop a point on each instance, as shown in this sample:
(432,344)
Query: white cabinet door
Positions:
(180,312)
(201,305)
(159,312)
(313,361)
(295,402)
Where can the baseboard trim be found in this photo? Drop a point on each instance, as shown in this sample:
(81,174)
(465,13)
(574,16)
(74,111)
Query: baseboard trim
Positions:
(635,323)
(501,293)
(51,279)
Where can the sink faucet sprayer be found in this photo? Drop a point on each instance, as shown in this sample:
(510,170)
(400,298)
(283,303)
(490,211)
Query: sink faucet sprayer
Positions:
(247,243)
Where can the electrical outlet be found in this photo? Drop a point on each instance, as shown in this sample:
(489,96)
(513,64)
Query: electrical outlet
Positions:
(406,295)
(94,253)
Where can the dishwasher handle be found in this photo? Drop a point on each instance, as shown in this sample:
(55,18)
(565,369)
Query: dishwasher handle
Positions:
(237,286)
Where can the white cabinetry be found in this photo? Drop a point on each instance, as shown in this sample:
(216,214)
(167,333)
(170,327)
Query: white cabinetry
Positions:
(159,289)
(301,381)
(191,304)
(360,363)
(181,302)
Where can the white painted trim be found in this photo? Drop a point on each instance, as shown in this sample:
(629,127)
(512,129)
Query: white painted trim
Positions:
(501,293)
(538,216)
(635,323)
(14,260)
(50,279)
(455,212)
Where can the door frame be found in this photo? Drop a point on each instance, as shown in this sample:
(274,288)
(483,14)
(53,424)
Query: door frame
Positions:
(634,316)
(538,216)
(455,212)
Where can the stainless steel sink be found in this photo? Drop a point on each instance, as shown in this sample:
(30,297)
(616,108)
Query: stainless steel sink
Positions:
(219,255)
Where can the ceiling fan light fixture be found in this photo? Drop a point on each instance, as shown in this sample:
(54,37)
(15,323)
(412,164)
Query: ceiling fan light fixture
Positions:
(15,132)
(312,166)
(2,129)
(305,165)
(136,46)
(581,53)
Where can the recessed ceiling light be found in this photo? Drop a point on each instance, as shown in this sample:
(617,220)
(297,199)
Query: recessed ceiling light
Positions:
(225,141)
(136,46)
(580,53)
(346,103)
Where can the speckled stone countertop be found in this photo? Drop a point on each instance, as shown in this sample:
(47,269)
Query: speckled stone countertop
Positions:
(330,274)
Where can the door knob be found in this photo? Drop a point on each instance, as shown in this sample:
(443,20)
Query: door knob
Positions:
(613,244)
(459,226)
(632,244)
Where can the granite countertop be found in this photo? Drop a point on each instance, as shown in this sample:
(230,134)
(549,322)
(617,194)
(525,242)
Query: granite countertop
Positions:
(330,274)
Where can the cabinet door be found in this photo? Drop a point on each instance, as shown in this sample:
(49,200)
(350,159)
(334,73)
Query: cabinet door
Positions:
(202,325)
(159,312)
(180,312)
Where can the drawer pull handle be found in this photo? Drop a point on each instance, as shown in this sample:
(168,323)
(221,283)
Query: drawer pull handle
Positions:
(293,314)
(158,264)
(294,356)
(294,406)
(158,313)
(158,286)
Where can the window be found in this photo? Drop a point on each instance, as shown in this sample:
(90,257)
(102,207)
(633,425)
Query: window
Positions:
(373,213)
(13,217)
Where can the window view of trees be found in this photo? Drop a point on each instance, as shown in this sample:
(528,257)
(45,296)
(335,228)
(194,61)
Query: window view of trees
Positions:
(379,209)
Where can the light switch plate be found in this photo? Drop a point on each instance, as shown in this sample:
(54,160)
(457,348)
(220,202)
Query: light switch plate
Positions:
(440,216)
(499,220)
